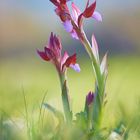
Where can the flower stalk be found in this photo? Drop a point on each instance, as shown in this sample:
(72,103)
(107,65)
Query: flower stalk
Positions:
(73,23)
(65,97)
(99,93)
(95,64)
(52,53)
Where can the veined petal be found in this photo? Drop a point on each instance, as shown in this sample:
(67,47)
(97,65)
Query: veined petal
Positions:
(51,41)
(64,58)
(68,26)
(57,42)
(75,12)
(76,67)
(96,15)
(95,48)
(49,53)
(70,60)
(43,55)
(54,46)
(89,10)
(54,42)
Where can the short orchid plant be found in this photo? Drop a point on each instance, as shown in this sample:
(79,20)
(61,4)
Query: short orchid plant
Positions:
(88,123)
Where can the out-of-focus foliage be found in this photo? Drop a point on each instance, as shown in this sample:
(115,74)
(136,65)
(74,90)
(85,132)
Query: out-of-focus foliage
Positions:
(36,79)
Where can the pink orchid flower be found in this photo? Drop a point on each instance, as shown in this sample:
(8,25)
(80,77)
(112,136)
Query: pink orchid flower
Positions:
(52,52)
(73,22)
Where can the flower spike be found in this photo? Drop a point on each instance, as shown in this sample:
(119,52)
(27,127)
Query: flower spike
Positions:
(52,52)
(73,22)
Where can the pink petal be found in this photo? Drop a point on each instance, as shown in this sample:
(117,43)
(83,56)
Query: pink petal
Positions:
(76,67)
(68,26)
(89,10)
(51,41)
(96,15)
(49,53)
(75,12)
(64,58)
(43,55)
(70,60)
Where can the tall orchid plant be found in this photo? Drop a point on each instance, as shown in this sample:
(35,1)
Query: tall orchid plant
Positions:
(95,101)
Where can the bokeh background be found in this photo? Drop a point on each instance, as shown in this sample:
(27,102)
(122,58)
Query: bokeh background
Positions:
(25,25)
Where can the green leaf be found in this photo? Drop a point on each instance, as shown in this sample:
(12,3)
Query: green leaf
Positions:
(57,113)
(81,120)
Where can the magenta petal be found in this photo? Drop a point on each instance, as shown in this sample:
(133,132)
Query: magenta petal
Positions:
(75,12)
(96,15)
(43,55)
(50,53)
(68,26)
(76,67)
(64,58)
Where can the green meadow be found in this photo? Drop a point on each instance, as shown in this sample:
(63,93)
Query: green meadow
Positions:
(36,77)
(33,78)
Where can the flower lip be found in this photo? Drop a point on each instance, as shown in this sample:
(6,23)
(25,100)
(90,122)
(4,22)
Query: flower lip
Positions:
(73,23)
(96,15)
(68,26)
(69,60)
(76,67)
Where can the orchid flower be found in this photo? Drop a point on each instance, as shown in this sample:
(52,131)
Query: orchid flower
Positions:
(73,22)
(52,53)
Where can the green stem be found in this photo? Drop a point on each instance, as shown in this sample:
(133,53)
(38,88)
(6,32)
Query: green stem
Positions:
(65,98)
(95,64)
(99,94)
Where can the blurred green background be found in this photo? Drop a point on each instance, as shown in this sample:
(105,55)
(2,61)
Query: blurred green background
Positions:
(25,26)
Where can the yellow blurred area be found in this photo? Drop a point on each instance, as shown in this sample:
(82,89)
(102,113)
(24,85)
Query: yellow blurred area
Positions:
(25,26)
